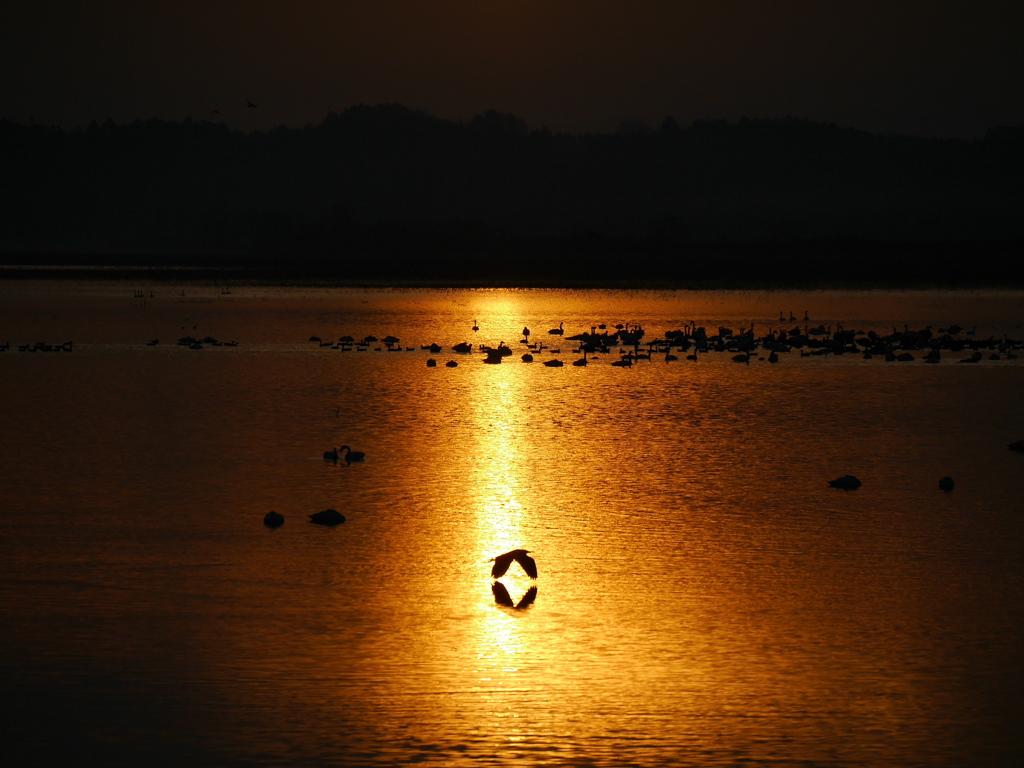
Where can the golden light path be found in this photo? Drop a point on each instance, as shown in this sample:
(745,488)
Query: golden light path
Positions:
(500,516)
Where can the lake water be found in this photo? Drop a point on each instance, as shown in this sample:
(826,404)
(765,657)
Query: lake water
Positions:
(704,597)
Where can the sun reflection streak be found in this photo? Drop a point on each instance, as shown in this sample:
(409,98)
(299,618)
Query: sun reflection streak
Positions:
(499,511)
(500,516)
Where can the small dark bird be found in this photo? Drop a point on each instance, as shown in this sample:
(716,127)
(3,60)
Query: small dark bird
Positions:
(331,455)
(1016,445)
(329,517)
(250,105)
(351,455)
(521,556)
(273,519)
(503,598)
(846,483)
(946,484)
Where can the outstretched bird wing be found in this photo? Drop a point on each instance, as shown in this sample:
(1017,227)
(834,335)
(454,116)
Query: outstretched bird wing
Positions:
(528,563)
(501,564)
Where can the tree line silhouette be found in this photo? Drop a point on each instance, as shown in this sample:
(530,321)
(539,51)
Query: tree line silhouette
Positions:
(393,193)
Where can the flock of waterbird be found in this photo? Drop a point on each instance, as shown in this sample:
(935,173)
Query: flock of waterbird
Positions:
(694,342)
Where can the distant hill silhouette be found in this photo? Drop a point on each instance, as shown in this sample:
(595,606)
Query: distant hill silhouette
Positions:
(388,192)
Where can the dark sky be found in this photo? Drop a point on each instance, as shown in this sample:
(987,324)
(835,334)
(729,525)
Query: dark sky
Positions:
(927,67)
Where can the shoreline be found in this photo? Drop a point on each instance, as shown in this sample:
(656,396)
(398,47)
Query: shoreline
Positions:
(576,263)
(216,277)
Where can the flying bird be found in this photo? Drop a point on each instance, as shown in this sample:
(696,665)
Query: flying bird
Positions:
(521,556)
(250,105)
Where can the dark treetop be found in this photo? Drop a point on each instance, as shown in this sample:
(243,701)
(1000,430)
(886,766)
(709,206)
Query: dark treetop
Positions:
(384,192)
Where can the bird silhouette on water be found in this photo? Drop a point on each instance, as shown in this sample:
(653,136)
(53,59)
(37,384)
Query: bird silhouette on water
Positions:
(846,482)
(351,455)
(521,556)
(329,517)
(273,519)
(344,453)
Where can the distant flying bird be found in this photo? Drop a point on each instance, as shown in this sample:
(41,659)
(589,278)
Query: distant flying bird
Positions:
(521,556)
(250,105)
(215,112)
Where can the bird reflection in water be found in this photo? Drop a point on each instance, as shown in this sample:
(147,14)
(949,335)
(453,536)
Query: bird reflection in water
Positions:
(504,599)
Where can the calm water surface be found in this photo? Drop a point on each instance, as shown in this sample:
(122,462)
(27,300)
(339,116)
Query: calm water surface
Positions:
(704,598)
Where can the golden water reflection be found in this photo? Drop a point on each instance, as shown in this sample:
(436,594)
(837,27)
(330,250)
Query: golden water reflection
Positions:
(704,598)
(497,399)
